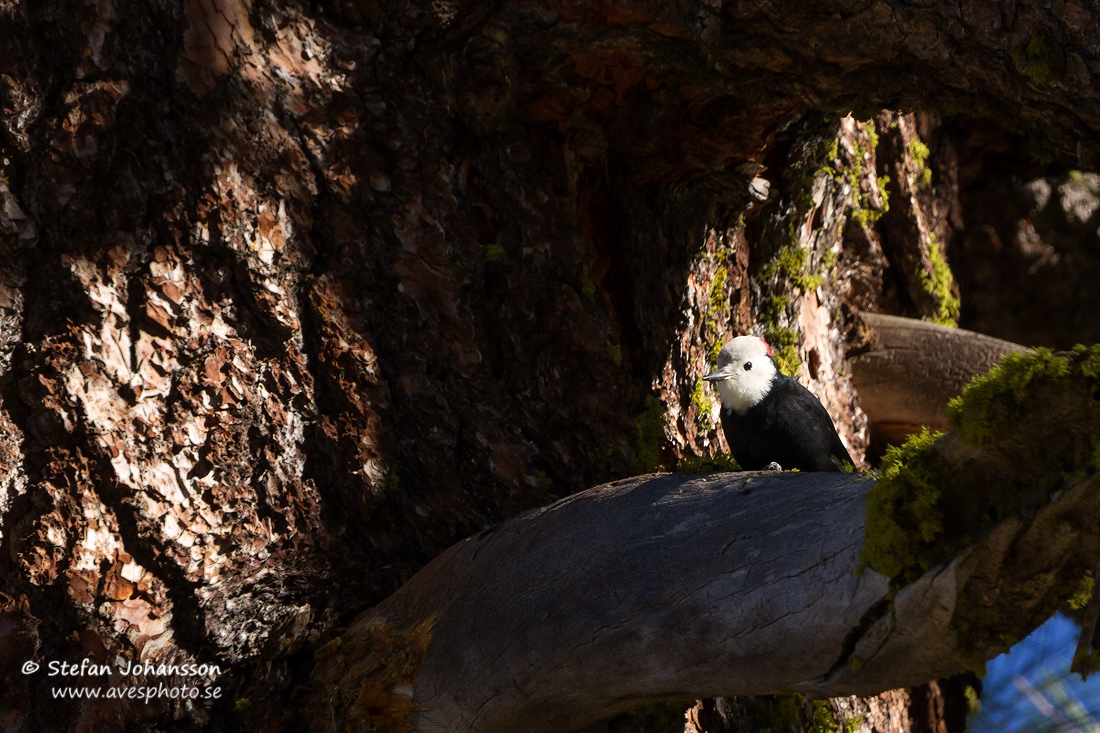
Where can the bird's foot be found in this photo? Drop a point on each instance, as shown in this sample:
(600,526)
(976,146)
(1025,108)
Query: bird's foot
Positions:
(773,466)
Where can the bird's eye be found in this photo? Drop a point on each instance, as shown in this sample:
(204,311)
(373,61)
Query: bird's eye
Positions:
(748,366)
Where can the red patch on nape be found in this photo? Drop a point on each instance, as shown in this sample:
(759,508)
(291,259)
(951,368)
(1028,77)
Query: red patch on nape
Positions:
(767,347)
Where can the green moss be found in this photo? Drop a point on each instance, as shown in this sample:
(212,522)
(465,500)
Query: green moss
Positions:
(811,281)
(866,217)
(854,174)
(784,343)
(918,151)
(851,725)
(862,213)
(939,283)
(855,664)
(494,253)
(615,354)
(587,286)
(790,264)
(791,261)
(1036,60)
(868,128)
(1001,412)
(991,401)
(904,520)
(649,433)
(772,306)
(1081,597)
(713,350)
(882,182)
(823,720)
(973,701)
(717,300)
(921,512)
(1089,360)
(702,401)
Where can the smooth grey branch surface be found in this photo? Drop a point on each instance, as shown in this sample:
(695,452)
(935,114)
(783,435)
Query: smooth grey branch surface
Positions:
(658,587)
(915,367)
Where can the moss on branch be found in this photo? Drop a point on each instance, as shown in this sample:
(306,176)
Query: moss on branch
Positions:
(1023,432)
(1036,417)
(998,401)
(904,521)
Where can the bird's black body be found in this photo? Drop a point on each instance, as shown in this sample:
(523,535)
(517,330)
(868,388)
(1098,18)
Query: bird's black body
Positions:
(789,427)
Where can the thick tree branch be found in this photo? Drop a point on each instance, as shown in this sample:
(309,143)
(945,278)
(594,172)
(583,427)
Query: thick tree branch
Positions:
(914,367)
(682,586)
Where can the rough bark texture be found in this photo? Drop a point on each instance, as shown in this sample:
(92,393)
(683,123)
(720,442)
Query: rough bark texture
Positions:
(295,295)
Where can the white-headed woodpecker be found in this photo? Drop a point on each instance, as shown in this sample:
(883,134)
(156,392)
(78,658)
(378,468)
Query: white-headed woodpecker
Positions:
(769,417)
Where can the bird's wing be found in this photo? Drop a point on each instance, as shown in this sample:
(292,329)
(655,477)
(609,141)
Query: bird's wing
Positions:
(818,417)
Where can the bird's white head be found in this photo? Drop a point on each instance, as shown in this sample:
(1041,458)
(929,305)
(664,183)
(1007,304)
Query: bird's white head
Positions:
(744,373)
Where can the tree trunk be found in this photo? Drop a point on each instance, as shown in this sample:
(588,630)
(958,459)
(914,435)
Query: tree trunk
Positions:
(294,295)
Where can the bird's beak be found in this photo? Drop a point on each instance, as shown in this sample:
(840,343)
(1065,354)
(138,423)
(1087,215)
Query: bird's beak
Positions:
(719,375)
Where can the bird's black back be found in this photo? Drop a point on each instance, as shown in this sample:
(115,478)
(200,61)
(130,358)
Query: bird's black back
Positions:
(790,427)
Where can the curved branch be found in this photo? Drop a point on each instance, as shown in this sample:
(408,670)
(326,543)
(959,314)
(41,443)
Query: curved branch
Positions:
(914,368)
(685,586)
